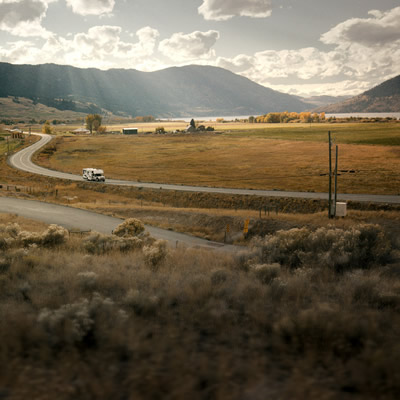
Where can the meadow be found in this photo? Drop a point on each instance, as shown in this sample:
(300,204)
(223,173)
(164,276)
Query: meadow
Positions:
(280,157)
(297,315)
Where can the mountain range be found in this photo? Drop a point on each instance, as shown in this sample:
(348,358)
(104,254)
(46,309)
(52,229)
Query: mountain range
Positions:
(382,98)
(173,92)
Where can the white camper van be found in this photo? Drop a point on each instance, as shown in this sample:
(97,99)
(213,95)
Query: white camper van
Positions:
(93,174)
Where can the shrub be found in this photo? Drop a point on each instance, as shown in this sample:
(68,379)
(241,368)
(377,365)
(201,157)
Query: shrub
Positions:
(73,323)
(357,247)
(54,235)
(155,253)
(97,243)
(160,130)
(13,230)
(130,227)
(265,273)
(29,238)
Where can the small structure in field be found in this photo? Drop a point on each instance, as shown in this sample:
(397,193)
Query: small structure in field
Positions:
(191,128)
(129,131)
(81,131)
(16,133)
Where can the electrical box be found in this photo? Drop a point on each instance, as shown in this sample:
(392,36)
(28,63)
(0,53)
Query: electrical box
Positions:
(341,209)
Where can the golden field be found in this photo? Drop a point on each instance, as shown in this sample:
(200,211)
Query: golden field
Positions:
(257,159)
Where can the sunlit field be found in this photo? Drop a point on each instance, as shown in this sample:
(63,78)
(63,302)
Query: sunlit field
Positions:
(282,158)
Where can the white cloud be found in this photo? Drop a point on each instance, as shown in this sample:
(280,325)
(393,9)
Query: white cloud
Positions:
(23,51)
(365,52)
(221,10)
(100,47)
(382,28)
(23,17)
(343,88)
(192,46)
(91,7)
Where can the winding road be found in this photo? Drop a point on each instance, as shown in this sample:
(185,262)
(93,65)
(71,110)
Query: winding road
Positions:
(83,220)
(23,161)
(73,218)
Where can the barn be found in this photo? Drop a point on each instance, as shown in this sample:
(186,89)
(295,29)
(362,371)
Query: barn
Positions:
(130,131)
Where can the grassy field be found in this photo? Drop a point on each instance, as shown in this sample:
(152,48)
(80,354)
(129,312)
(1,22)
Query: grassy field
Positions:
(281,158)
(387,134)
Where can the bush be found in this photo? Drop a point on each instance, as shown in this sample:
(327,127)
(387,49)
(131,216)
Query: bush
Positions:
(130,227)
(266,273)
(357,247)
(13,236)
(97,243)
(54,235)
(73,323)
(155,253)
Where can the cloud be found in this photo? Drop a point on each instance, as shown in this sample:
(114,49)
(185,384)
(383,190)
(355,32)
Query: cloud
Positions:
(23,51)
(364,52)
(344,88)
(91,7)
(192,46)
(23,17)
(381,29)
(100,47)
(103,45)
(221,10)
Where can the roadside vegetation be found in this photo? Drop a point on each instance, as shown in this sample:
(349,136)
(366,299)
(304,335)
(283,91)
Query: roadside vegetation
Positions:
(303,313)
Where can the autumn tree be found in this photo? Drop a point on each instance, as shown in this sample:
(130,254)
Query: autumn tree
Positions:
(93,122)
(305,116)
(46,128)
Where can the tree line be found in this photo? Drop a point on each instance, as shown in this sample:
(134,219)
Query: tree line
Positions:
(286,116)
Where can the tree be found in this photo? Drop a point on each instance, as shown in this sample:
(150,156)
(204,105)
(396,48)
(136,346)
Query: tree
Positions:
(93,122)
(192,123)
(46,128)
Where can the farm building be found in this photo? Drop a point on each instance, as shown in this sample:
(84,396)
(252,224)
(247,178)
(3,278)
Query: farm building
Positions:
(130,131)
(81,131)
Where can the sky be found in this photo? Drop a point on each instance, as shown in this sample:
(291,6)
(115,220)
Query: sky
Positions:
(300,47)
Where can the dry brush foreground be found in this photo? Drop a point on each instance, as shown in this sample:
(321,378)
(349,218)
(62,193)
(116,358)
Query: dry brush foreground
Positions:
(304,314)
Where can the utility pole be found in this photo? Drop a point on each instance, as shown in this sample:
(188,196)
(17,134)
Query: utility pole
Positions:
(330,177)
(336,167)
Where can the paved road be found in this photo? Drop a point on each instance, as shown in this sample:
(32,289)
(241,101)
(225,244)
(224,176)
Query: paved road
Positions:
(74,218)
(22,160)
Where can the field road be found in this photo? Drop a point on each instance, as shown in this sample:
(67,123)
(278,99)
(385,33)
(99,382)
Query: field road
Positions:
(75,218)
(22,160)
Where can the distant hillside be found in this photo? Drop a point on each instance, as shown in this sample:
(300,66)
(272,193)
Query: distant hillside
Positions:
(173,92)
(22,109)
(382,98)
(320,101)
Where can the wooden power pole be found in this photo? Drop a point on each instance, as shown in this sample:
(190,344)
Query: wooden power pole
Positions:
(336,167)
(330,177)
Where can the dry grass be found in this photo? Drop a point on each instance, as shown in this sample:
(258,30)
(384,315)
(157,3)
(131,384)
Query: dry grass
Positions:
(201,326)
(25,223)
(25,109)
(230,161)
